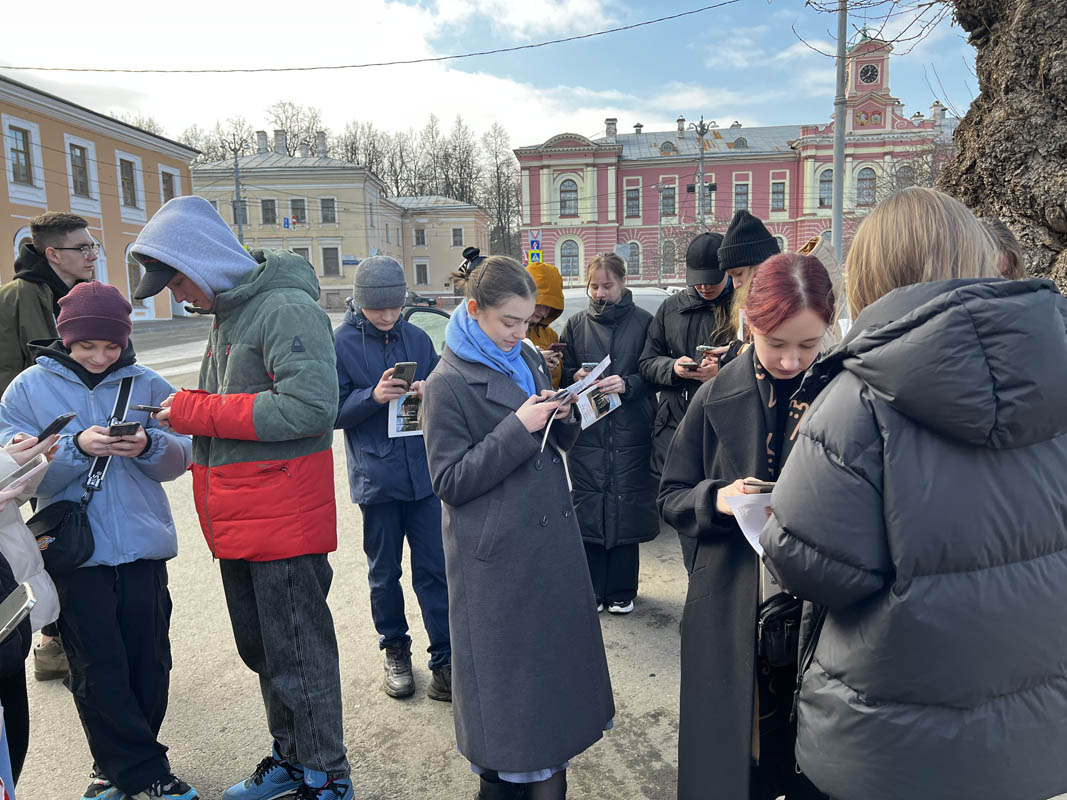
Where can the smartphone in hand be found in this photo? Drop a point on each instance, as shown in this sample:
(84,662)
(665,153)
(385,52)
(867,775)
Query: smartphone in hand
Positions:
(405,371)
(557,347)
(148,409)
(754,486)
(589,366)
(56,425)
(124,429)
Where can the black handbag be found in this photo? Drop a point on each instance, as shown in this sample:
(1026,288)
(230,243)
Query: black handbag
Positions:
(62,529)
(778,629)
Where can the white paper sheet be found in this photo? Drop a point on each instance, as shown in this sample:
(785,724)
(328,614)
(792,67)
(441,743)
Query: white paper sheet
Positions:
(405,416)
(750,510)
(577,388)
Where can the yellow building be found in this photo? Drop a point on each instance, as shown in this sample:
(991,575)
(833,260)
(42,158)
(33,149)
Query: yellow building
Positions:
(60,156)
(334,214)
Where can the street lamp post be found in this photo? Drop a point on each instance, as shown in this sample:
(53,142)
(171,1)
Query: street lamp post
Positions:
(701,129)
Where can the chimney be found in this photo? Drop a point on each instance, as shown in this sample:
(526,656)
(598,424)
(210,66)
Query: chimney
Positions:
(937,112)
(303,150)
(638,127)
(611,127)
(681,127)
(261,142)
(279,143)
(321,148)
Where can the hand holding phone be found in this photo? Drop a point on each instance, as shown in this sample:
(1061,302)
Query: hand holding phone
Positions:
(557,347)
(147,409)
(756,486)
(405,371)
(560,395)
(124,429)
(56,425)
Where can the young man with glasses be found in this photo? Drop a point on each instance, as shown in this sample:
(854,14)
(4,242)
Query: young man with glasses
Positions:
(62,254)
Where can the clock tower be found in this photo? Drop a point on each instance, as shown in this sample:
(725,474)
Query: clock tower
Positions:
(870,106)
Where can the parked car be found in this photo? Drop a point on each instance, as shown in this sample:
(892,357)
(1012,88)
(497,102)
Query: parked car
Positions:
(433,319)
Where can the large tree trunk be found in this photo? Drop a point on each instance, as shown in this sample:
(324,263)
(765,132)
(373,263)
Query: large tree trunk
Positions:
(1011,158)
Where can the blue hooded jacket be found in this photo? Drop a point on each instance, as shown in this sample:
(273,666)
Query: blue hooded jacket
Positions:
(130,515)
(380,469)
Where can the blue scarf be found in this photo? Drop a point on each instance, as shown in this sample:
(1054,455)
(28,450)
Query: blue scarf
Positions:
(467,340)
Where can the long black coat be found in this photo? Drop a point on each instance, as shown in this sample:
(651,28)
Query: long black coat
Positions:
(530,683)
(614,492)
(720,440)
(925,505)
(683,321)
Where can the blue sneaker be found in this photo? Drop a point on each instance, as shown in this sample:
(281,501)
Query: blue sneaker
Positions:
(101,789)
(317,786)
(272,778)
(167,788)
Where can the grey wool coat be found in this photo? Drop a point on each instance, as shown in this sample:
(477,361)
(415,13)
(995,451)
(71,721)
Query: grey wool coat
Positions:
(719,441)
(530,683)
(925,505)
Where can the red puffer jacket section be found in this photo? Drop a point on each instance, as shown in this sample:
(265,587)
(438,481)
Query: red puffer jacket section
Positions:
(268,510)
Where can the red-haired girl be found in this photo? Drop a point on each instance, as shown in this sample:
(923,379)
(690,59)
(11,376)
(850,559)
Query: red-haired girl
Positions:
(735,738)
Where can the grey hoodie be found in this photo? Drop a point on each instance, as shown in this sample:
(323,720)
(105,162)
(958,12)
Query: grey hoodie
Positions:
(189,235)
(925,505)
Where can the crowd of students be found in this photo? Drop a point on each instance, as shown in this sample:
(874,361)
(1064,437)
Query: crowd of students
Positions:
(918,507)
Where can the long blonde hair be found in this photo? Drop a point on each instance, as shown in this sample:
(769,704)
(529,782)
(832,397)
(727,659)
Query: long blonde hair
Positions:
(916,236)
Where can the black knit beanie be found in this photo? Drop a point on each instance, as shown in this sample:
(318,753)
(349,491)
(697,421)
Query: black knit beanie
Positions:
(747,242)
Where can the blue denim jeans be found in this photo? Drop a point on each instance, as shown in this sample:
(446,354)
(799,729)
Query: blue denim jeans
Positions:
(384,528)
(284,633)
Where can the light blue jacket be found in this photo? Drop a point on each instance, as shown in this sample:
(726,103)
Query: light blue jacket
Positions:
(130,515)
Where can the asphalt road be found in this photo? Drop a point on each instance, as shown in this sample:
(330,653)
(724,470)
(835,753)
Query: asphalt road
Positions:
(400,750)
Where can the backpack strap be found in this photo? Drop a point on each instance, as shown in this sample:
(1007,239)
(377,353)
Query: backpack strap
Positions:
(99,466)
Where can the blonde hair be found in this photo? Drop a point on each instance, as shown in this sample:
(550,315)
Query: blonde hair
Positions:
(916,236)
(1008,248)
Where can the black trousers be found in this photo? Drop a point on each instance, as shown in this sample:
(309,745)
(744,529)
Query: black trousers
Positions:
(16,706)
(116,633)
(614,572)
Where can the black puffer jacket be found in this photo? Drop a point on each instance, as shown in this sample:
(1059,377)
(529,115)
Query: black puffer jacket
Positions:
(925,504)
(683,321)
(614,492)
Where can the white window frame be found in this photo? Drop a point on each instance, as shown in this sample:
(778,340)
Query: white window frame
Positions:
(640,259)
(856,170)
(581,256)
(22,233)
(777,176)
(17,192)
(784,241)
(336,216)
(148,310)
(78,204)
(669,181)
(819,207)
(331,245)
(176,176)
(233,211)
(306,223)
(415,237)
(277,218)
(426,265)
(452,236)
(739,179)
(131,213)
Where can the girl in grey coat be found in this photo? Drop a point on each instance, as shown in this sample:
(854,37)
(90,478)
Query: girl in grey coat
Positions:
(530,678)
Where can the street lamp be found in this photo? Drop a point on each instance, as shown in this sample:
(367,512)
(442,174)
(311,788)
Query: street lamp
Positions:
(701,129)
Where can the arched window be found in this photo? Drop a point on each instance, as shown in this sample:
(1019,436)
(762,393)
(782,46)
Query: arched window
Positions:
(568,259)
(740,143)
(826,188)
(568,199)
(667,148)
(781,243)
(905,177)
(865,181)
(633,263)
(827,236)
(669,255)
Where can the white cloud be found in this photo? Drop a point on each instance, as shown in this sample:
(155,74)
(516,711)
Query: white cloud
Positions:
(528,18)
(809,48)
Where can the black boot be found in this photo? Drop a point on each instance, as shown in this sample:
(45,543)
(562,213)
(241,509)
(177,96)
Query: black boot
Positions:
(496,789)
(399,682)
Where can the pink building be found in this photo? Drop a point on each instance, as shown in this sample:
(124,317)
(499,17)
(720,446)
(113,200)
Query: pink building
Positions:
(581,197)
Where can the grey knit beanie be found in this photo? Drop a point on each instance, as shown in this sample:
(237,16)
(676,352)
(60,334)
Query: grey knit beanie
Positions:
(379,283)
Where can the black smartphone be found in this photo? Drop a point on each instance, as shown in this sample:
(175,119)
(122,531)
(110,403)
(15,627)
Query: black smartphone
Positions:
(691,367)
(124,429)
(557,347)
(756,486)
(56,425)
(562,393)
(149,409)
(405,371)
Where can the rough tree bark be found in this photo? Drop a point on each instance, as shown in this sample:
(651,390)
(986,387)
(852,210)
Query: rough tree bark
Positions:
(1011,148)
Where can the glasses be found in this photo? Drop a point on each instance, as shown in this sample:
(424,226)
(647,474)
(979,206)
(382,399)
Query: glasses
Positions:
(84,249)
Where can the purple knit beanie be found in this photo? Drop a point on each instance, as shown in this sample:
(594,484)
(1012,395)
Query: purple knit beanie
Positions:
(94,310)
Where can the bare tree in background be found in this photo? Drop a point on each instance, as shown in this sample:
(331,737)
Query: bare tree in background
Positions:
(500,192)
(300,123)
(460,169)
(218,144)
(919,167)
(145,122)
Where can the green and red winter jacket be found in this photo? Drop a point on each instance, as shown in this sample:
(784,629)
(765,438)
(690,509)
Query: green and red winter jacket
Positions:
(262,420)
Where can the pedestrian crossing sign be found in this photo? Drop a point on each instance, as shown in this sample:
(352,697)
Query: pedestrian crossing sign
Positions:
(535,256)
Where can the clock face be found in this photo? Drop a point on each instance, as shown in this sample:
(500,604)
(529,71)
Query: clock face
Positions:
(869,73)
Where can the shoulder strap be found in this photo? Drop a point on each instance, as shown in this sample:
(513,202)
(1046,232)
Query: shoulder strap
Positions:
(807,657)
(100,463)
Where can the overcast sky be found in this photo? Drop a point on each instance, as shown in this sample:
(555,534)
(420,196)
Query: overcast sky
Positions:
(742,62)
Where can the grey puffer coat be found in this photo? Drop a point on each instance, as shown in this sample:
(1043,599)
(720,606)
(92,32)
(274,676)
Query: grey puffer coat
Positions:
(925,505)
